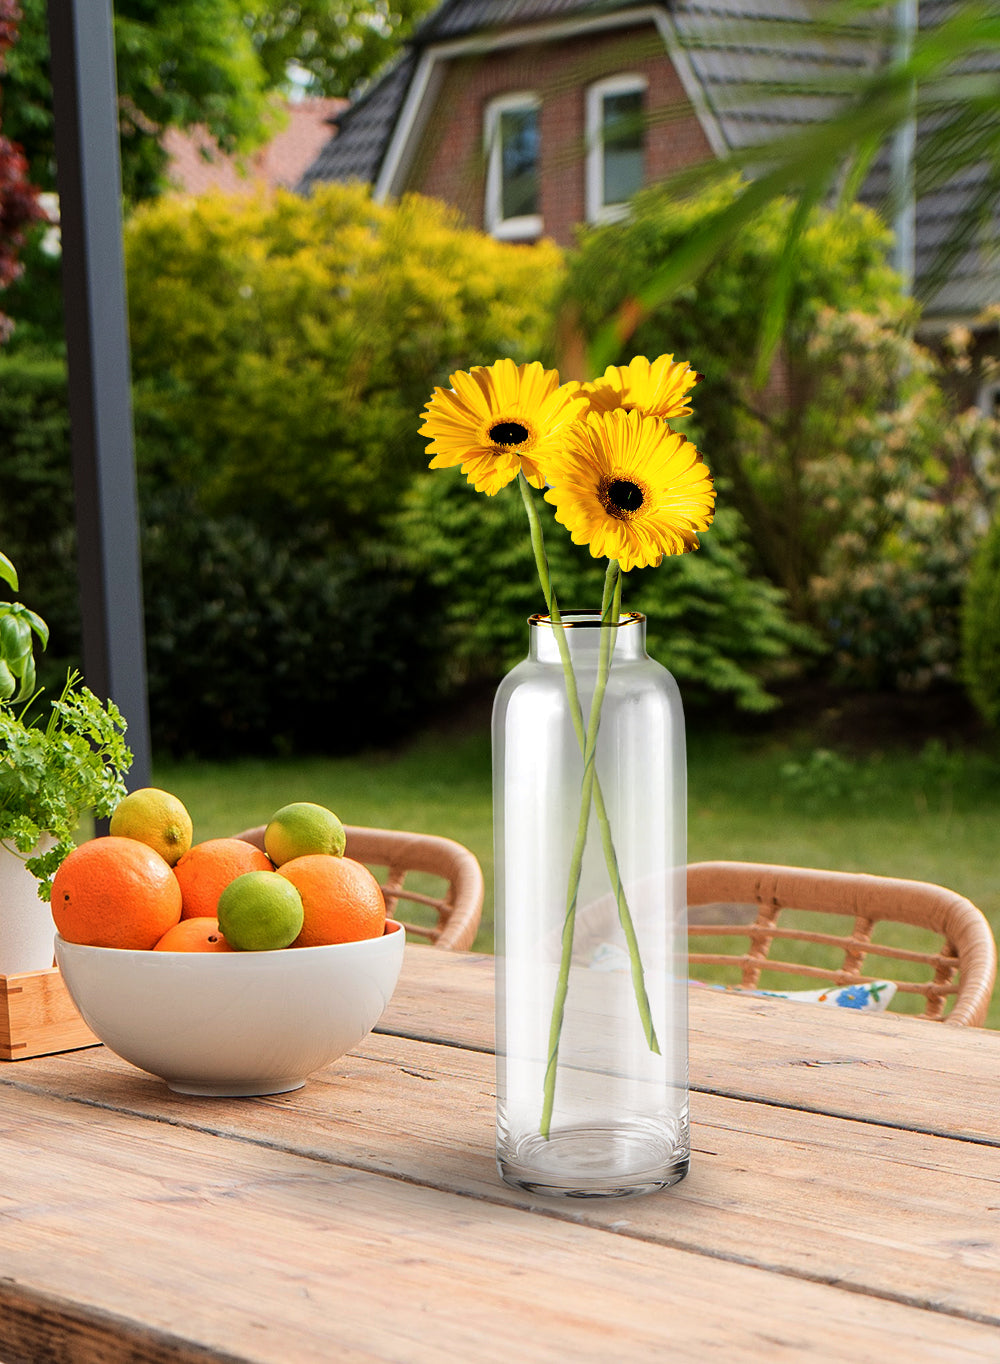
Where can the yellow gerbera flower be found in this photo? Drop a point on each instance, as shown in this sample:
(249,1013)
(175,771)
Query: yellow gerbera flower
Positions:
(496,420)
(631,489)
(659,389)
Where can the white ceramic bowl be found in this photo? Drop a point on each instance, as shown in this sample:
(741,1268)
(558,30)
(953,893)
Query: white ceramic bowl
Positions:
(233,1023)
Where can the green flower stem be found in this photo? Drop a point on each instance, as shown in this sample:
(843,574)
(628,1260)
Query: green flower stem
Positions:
(610,609)
(612,599)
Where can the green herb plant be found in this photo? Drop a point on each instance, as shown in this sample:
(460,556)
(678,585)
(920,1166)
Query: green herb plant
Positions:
(55,768)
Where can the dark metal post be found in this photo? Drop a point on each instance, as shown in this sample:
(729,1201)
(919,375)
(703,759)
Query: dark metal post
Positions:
(84,89)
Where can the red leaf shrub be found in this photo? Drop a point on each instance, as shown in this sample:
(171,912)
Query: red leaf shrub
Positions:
(19,204)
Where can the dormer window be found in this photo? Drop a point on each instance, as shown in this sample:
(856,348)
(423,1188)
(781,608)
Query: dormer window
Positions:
(513,201)
(616,140)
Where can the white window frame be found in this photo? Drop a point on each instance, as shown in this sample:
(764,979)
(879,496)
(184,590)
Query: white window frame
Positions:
(528,224)
(625,84)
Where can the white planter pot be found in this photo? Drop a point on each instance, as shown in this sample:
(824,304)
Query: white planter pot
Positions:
(27,932)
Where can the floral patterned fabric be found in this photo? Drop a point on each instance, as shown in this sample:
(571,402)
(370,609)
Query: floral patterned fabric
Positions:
(872,997)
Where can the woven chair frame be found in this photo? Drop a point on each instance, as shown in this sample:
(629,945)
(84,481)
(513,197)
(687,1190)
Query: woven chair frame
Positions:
(458,910)
(964,966)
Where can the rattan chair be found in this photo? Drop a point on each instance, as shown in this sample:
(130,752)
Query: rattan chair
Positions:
(967,948)
(393,854)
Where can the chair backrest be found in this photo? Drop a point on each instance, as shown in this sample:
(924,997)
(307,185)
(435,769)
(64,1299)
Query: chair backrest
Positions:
(967,949)
(458,910)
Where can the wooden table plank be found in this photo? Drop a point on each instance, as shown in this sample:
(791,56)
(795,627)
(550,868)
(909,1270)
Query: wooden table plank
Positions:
(893,1213)
(268,1256)
(878,1068)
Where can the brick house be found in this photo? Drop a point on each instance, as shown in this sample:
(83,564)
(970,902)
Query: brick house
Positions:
(529,115)
(534,116)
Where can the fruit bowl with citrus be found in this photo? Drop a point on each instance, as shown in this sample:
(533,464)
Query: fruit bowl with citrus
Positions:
(222,968)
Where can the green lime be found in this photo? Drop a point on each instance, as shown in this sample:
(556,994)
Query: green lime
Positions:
(303,828)
(257,914)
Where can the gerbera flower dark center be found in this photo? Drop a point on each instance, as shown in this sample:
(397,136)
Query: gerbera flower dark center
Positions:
(508,433)
(622,498)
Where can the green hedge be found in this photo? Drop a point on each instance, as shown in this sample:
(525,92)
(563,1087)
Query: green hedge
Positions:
(257,644)
(722,632)
(981,628)
(36,502)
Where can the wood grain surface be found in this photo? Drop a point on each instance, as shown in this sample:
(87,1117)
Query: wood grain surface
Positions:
(362,1218)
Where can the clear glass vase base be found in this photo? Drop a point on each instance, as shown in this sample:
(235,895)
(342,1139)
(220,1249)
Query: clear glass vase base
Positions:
(593,1162)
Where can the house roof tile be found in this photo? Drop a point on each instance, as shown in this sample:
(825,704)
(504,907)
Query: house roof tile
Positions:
(357,149)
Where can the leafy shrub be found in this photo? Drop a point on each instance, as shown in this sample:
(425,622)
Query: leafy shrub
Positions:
(720,631)
(909,492)
(981,628)
(261,645)
(255,641)
(37,527)
(283,347)
(859,482)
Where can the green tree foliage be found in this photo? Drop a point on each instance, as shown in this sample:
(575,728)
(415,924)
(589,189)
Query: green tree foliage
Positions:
(180,64)
(213,63)
(283,347)
(720,631)
(340,45)
(851,468)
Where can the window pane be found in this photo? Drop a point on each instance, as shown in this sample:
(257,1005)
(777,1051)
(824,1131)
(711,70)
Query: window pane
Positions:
(623,142)
(518,163)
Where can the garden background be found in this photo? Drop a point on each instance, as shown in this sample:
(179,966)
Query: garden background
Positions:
(327,620)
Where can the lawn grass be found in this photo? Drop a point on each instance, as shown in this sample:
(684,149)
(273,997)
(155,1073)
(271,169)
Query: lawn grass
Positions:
(931,815)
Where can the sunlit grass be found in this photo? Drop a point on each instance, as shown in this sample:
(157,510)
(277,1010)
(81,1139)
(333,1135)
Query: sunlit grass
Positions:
(932,816)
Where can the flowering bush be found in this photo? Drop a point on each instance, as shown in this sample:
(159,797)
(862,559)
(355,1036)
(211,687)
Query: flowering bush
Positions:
(907,496)
(19,206)
(862,482)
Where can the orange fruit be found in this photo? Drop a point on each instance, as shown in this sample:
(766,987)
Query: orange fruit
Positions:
(193,935)
(206,870)
(341,900)
(115,892)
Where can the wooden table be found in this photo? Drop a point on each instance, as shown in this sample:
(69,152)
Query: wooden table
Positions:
(843,1204)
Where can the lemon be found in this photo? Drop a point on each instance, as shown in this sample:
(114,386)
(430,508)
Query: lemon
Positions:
(257,914)
(156,818)
(303,828)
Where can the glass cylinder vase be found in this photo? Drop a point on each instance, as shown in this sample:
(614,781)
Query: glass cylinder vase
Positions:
(590,915)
